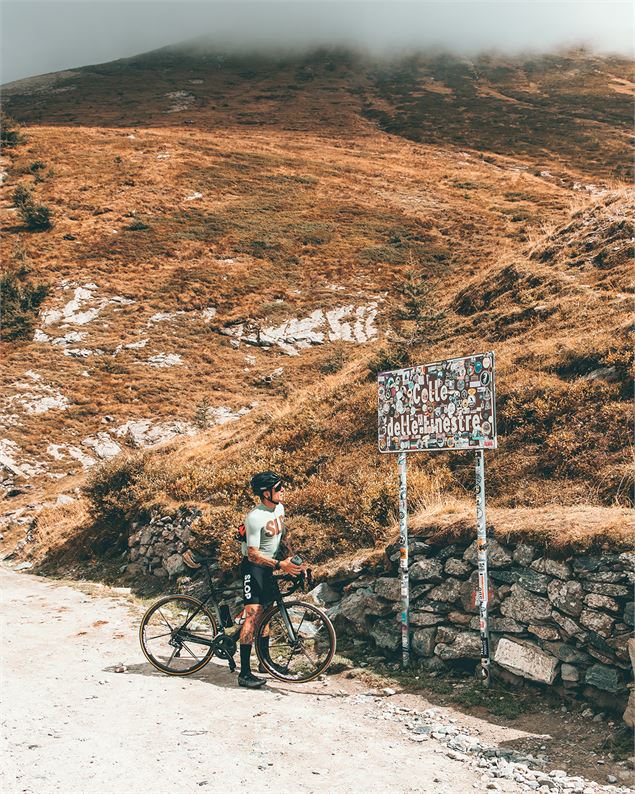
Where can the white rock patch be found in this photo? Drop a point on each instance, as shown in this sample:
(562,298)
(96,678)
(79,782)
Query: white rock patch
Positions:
(193,197)
(182,100)
(145,434)
(346,323)
(162,360)
(102,445)
(37,397)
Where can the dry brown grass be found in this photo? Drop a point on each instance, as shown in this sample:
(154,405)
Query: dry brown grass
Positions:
(299,207)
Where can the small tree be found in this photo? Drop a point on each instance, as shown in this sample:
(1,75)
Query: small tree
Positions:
(10,134)
(201,416)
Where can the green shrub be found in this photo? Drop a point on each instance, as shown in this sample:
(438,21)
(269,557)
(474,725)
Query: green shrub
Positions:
(37,217)
(388,358)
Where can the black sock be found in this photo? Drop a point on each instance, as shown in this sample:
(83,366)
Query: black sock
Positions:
(245,653)
(264,646)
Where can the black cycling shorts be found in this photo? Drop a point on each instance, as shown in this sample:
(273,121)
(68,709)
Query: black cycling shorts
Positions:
(258,583)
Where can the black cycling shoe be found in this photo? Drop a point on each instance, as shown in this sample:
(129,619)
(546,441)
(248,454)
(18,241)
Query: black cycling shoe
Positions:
(251,681)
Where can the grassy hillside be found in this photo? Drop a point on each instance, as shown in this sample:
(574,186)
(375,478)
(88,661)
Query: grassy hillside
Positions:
(436,203)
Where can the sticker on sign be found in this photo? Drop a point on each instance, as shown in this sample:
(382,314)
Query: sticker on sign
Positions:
(446,405)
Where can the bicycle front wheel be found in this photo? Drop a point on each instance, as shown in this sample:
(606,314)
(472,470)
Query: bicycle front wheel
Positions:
(300,649)
(176,635)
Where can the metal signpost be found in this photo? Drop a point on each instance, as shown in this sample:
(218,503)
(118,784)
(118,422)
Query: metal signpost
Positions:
(446,405)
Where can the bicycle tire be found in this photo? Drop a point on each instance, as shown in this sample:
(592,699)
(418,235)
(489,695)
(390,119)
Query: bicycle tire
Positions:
(273,620)
(150,652)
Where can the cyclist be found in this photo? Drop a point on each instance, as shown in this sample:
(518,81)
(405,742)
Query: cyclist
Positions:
(264,528)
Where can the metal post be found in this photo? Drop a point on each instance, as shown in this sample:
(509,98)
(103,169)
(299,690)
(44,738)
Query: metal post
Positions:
(403,560)
(483,584)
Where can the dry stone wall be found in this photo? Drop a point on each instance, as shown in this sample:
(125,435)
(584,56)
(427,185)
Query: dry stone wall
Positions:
(564,623)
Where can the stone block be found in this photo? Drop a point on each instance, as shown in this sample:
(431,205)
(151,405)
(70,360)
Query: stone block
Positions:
(355,607)
(499,625)
(423,641)
(388,588)
(595,601)
(427,570)
(459,618)
(523,554)
(324,594)
(607,589)
(460,568)
(497,556)
(467,645)
(597,621)
(418,618)
(184,534)
(447,634)
(629,714)
(603,677)
(387,634)
(586,563)
(610,577)
(557,568)
(450,590)
(569,673)
(470,594)
(174,565)
(531,580)
(527,660)
(569,627)
(567,653)
(145,537)
(544,632)
(566,596)
(524,606)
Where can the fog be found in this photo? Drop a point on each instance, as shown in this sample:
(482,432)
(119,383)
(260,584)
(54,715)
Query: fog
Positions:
(49,35)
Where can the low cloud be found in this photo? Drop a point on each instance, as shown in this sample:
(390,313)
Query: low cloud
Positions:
(40,37)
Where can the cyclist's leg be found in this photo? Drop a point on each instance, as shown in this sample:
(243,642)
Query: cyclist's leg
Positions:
(253,598)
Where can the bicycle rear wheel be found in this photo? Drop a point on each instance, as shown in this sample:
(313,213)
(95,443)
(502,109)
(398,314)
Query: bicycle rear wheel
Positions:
(301,659)
(175,635)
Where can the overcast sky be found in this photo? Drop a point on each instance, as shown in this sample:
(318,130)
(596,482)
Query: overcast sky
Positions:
(49,35)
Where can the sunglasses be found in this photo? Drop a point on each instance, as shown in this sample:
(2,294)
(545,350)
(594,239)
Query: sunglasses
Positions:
(277,487)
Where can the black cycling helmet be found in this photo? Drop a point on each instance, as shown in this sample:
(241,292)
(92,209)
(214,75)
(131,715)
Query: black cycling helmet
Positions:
(265,481)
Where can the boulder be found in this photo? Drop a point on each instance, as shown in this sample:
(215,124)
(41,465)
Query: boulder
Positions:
(389,588)
(603,677)
(566,596)
(597,621)
(423,641)
(387,634)
(470,594)
(447,634)
(612,577)
(569,673)
(596,601)
(497,555)
(134,555)
(525,606)
(557,568)
(426,570)
(324,594)
(454,567)
(184,534)
(174,565)
(467,645)
(450,590)
(544,632)
(527,660)
(133,539)
(145,537)
(523,554)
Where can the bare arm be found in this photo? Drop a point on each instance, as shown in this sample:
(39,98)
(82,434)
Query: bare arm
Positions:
(258,558)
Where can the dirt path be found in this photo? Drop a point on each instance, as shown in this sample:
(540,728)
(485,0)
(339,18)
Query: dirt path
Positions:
(73,725)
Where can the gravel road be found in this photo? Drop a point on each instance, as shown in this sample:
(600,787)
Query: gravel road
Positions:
(72,724)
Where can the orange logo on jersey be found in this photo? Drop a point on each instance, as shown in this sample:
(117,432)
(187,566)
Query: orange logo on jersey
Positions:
(274,527)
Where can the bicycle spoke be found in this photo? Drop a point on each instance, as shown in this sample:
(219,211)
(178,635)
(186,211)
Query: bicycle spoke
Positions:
(158,636)
(165,620)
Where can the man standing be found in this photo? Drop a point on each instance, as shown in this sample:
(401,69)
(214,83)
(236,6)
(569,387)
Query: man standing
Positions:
(264,528)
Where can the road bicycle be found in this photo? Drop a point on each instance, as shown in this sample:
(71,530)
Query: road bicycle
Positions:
(179,634)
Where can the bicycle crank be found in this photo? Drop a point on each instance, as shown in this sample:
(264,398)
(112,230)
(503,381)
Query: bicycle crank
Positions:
(225,648)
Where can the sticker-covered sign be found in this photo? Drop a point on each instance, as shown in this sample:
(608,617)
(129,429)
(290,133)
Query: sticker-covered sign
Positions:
(446,405)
